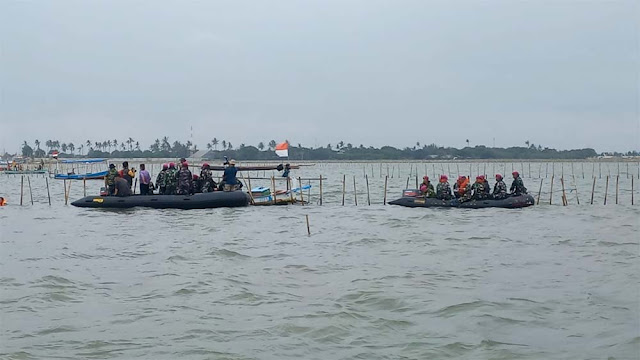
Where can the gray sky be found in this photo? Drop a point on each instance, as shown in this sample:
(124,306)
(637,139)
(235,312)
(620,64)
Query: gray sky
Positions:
(563,74)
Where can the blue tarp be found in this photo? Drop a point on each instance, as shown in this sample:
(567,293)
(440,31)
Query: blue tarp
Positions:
(83,161)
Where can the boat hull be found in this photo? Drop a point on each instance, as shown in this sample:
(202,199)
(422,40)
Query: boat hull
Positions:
(210,200)
(512,202)
(90,176)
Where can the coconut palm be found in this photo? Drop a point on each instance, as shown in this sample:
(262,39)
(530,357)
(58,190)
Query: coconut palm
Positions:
(272,144)
(71,147)
(224,144)
(214,143)
(260,146)
(467,142)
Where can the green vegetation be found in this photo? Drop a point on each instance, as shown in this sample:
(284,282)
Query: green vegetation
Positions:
(163,148)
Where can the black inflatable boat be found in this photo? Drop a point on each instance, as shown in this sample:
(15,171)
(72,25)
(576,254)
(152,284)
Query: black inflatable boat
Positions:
(197,201)
(511,202)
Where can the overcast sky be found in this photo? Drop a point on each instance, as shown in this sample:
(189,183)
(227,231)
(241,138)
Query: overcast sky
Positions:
(564,74)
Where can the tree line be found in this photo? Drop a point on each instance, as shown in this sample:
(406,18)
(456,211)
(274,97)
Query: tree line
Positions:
(164,148)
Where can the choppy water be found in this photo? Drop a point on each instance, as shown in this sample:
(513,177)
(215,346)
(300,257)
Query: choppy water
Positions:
(371,282)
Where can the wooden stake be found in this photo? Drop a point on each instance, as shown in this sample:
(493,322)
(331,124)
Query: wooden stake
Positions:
(583,170)
(632,190)
(593,189)
(551,192)
(84,185)
(385,190)
(416,181)
(368,197)
(273,185)
(606,190)
(308,228)
(540,191)
(617,180)
(301,192)
(320,189)
(564,195)
(344,186)
(21,187)
(576,184)
(30,192)
(46,179)
(355,192)
(406,187)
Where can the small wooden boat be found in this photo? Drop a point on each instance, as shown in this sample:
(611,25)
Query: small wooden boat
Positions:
(89,176)
(209,200)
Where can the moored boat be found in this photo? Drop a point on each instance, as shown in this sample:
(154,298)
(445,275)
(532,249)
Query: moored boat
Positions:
(89,176)
(511,202)
(209,200)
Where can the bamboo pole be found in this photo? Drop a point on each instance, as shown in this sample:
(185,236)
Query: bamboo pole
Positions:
(617,181)
(21,187)
(606,190)
(84,185)
(355,192)
(551,191)
(290,188)
(416,181)
(546,172)
(66,200)
(540,191)
(368,196)
(344,186)
(308,228)
(273,184)
(301,192)
(320,189)
(599,170)
(64,185)
(385,190)
(46,179)
(576,184)
(593,189)
(583,170)
(30,192)
(627,170)
(564,194)
(529,170)
(407,186)
(632,190)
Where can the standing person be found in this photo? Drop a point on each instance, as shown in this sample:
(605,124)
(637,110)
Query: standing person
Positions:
(125,173)
(122,187)
(160,180)
(110,179)
(229,178)
(500,188)
(426,188)
(185,180)
(170,180)
(145,179)
(443,190)
(287,169)
(517,186)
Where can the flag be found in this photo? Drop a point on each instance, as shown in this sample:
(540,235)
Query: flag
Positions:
(282,149)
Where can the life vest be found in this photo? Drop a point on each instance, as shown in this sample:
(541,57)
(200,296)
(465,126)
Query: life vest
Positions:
(3,202)
(462,186)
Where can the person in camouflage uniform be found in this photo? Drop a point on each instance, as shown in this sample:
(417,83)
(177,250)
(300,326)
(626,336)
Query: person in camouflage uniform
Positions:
(160,180)
(479,188)
(170,180)
(426,188)
(517,186)
(185,180)
(206,179)
(110,179)
(443,190)
(500,188)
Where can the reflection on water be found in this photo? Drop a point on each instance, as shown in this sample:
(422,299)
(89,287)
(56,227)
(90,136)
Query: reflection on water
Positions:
(372,282)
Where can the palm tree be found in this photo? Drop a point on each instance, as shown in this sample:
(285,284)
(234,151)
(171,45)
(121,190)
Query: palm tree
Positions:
(418,144)
(260,146)
(81,149)
(109,145)
(137,146)
(88,143)
(115,143)
(165,144)
(467,142)
(98,145)
(272,144)
(214,143)
(224,144)
(64,147)
(37,144)
(122,147)
(130,142)
(71,147)
(229,145)
(340,144)
(527,142)
(208,146)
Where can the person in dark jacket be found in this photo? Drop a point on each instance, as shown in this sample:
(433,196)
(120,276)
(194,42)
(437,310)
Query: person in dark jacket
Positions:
(185,179)
(517,186)
(500,188)
(229,177)
(122,187)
